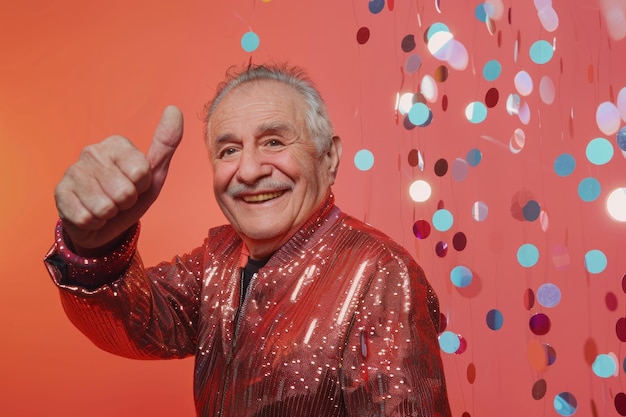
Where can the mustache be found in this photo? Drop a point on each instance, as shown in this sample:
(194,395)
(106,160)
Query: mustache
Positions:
(237,190)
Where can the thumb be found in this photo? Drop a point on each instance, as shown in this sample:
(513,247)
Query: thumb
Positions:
(166,139)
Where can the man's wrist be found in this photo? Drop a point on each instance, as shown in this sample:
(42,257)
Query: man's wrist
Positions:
(91,271)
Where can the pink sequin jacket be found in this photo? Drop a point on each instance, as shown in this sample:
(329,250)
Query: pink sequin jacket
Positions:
(341,321)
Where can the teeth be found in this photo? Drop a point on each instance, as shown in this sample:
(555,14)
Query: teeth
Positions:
(261,197)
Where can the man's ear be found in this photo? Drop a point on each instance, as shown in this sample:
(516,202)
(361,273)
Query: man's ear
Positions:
(333,157)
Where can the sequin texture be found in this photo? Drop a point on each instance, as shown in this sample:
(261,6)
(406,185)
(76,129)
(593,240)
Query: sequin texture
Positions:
(341,321)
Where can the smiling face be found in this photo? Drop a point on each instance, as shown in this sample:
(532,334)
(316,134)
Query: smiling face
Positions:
(268,177)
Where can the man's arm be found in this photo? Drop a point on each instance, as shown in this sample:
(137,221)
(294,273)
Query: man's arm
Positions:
(122,307)
(392,364)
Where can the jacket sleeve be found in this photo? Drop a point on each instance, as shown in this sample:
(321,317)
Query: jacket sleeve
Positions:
(125,308)
(391,364)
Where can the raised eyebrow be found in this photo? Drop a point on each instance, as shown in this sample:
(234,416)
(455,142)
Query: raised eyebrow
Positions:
(224,138)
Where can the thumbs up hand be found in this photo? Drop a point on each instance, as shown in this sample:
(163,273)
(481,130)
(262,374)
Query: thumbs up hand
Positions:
(113,184)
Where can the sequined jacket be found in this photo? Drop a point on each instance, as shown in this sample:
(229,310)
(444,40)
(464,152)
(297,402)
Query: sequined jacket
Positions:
(341,321)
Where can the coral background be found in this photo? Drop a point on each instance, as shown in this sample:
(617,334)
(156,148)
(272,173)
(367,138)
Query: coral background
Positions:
(74,72)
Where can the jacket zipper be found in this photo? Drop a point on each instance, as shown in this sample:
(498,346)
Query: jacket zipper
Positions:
(243,302)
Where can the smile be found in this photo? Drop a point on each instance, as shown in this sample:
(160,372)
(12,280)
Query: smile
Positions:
(259,198)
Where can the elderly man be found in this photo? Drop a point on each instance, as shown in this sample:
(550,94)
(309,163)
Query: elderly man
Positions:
(294,308)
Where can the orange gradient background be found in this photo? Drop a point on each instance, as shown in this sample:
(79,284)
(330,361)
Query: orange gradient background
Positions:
(75,72)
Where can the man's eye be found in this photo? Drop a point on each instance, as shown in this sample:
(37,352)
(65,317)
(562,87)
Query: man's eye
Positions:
(228,151)
(274,142)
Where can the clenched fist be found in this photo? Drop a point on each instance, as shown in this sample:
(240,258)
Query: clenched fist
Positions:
(113,184)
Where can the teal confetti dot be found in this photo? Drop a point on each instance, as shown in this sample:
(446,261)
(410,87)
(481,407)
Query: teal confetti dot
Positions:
(599,151)
(495,319)
(461,276)
(250,41)
(419,114)
(480,12)
(449,342)
(541,52)
(604,366)
(595,261)
(436,27)
(589,189)
(492,70)
(564,165)
(476,112)
(364,160)
(442,220)
(527,255)
(473,157)
(565,404)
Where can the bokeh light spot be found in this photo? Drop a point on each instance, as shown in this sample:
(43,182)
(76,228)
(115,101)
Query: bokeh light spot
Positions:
(420,191)
(616,204)
(440,45)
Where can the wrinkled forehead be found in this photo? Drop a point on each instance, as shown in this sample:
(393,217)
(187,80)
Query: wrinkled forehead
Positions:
(268,100)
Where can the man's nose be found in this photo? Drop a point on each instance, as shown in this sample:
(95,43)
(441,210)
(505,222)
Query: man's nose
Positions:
(252,166)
